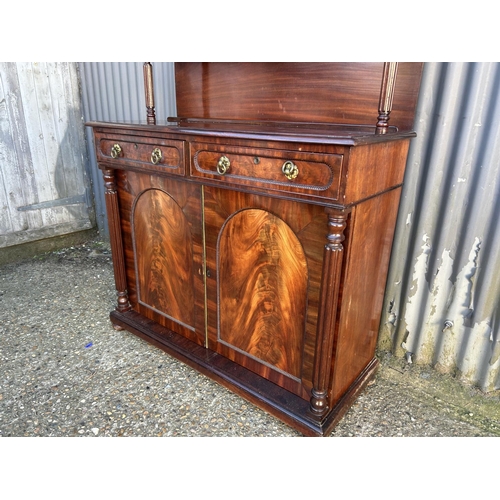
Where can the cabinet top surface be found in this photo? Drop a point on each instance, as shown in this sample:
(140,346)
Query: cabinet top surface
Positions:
(325,133)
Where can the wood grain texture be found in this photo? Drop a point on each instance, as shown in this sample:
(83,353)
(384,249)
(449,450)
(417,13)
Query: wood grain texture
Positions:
(164,256)
(318,174)
(327,320)
(309,225)
(368,250)
(263,289)
(43,178)
(115,239)
(373,170)
(136,152)
(187,196)
(317,92)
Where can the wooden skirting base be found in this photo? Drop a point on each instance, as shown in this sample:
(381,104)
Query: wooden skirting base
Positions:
(289,408)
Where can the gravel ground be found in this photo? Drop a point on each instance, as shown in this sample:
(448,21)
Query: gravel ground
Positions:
(67,372)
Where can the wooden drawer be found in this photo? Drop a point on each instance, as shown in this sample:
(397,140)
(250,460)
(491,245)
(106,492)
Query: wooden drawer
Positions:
(142,152)
(314,174)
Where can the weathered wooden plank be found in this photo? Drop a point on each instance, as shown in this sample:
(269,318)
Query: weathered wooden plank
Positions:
(19,181)
(6,157)
(42,153)
(37,109)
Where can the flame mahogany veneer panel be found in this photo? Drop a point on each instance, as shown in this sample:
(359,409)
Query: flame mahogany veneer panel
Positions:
(262,289)
(164,256)
(145,202)
(291,260)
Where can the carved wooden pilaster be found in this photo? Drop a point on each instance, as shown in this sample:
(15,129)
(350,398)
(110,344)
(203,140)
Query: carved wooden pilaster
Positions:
(386,96)
(115,236)
(332,268)
(148,88)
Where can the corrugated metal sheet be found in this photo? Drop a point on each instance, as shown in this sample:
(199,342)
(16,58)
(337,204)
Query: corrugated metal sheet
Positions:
(114,92)
(443,287)
(44,187)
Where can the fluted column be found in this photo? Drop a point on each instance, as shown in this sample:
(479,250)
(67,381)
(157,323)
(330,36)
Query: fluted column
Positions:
(149,91)
(386,96)
(115,235)
(332,268)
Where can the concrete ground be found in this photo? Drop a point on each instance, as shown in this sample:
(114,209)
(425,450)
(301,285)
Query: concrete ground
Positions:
(66,372)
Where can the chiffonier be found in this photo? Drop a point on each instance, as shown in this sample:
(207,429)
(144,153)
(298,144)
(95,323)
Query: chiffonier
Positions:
(251,234)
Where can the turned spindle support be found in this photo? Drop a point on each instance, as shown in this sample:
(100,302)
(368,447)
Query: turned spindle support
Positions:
(332,258)
(115,237)
(386,96)
(148,88)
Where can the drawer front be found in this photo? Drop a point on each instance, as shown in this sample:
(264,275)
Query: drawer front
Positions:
(314,174)
(159,155)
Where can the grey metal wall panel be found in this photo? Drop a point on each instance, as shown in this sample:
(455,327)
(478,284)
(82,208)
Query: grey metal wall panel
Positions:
(443,287)
(114,92)
(44,186)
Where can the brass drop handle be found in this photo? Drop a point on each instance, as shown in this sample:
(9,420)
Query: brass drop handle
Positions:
(223,165)
(156,156)
(290,170)
(116,150)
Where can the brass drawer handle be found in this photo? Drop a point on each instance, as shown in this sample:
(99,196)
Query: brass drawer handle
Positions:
(156,156)
(116,150)
(223,165)
(290,170)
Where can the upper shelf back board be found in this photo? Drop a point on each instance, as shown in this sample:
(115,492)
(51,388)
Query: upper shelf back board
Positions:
(344,93)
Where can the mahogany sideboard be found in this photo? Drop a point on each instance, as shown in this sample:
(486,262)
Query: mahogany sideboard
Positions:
(251,235)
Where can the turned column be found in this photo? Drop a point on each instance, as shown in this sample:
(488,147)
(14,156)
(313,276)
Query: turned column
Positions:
(115,236)
(150,98)
(332,268)
(386,96)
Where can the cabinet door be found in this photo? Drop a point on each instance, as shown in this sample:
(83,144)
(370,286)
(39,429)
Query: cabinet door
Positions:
(162,232)
(264,261)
